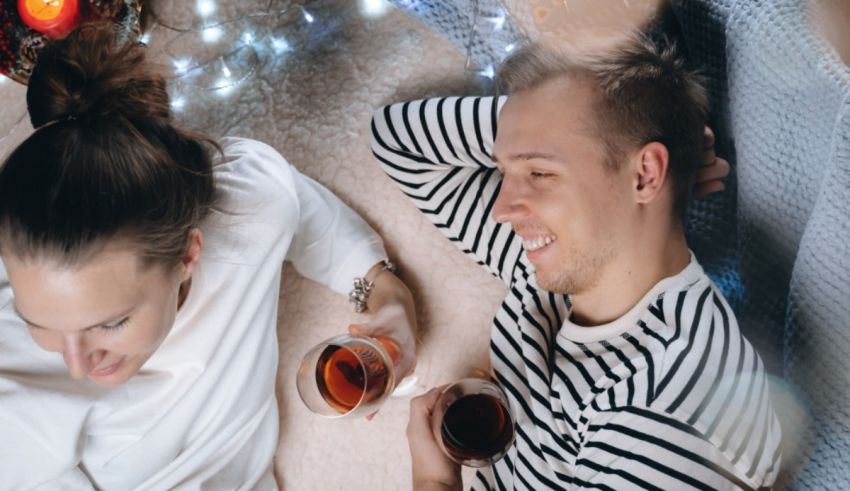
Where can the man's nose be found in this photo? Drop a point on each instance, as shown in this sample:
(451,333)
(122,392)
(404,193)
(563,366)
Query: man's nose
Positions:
(507,202)
(77,357)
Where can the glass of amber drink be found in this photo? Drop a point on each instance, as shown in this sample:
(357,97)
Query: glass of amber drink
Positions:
(347,375)
(472,422)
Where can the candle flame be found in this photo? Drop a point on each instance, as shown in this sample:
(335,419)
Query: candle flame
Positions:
(45,9)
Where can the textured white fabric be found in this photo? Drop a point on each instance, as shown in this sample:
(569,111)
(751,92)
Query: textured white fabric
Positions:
(202,411)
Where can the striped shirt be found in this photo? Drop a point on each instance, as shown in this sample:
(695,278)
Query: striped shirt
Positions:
(669,396)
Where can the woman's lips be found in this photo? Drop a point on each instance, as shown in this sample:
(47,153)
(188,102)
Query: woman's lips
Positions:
(108,370)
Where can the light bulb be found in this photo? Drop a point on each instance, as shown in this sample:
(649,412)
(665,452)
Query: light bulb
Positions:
(181,66)
(279,45)
(178,103)
(212,34)
(206,7)
(374,8)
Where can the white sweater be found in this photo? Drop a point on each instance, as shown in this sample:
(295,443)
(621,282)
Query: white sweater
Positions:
(202,412)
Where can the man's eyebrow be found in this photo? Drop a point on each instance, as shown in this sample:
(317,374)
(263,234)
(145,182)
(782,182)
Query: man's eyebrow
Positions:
(33,324)
(529,156)
(533,156)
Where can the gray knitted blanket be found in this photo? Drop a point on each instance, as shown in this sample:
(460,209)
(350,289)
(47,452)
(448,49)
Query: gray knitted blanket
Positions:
(777,242)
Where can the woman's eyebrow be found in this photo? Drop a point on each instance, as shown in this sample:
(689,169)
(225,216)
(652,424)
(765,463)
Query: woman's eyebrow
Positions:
(30,323)
(33,324)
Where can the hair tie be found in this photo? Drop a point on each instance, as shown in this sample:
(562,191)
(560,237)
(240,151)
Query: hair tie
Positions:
(60,119)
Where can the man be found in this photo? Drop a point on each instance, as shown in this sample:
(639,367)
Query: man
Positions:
(623,364)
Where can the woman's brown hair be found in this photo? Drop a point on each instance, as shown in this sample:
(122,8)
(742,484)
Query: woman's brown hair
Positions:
(105,161)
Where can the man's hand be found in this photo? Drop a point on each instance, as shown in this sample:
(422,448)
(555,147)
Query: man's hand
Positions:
(432,469)
(709,175)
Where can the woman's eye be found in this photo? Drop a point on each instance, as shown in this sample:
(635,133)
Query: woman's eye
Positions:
(115,327)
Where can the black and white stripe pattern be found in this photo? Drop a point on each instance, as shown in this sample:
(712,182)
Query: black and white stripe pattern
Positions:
(679,401)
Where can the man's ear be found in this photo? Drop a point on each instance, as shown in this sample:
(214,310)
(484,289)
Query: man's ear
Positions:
(651,164)
(192,254)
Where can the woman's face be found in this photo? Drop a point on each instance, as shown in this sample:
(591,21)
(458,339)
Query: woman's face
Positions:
(106,316)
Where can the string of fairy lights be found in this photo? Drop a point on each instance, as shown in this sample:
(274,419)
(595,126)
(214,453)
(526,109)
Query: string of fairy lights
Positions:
(486,28)
(245,45)
(213,56)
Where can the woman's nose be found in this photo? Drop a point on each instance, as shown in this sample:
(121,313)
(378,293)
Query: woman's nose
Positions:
(76,356)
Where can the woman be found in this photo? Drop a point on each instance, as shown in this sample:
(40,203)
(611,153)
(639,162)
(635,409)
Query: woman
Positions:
(152,271)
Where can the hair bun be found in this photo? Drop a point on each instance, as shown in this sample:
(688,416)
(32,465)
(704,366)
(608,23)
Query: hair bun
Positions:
(93,74)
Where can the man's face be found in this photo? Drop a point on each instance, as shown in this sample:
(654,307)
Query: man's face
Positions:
(571,211)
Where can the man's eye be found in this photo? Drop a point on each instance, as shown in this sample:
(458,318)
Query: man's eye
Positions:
(538,175)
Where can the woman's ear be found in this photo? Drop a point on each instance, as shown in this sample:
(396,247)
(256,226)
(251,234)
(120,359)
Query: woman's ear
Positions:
(651,165)
(192,254)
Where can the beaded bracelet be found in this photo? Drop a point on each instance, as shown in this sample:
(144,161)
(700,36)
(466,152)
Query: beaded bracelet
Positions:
(359,295)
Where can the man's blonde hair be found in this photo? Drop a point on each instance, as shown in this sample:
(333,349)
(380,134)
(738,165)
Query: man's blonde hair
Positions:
(644,93)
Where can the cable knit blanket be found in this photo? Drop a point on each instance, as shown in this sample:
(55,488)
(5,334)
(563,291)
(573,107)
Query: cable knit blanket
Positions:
(778,241)
(784,96)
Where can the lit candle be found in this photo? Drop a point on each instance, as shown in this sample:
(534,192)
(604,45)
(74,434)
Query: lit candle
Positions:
(53,18)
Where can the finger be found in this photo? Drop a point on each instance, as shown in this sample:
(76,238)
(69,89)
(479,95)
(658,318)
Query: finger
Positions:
(718,170)
(356,330)
(425,403)
(723,165)
(369,417)
(712,172)
(418,426)
(704,189)
(709,158)
(707,138)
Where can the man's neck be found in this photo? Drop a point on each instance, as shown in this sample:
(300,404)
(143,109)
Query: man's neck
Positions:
(630,276)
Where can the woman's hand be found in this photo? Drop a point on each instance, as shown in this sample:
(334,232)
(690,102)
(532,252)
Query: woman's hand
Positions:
(393,316)
(432,469)
(711,172)
(392,322)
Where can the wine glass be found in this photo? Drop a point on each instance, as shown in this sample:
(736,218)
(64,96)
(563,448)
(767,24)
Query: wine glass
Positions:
(347,375)
(472,422)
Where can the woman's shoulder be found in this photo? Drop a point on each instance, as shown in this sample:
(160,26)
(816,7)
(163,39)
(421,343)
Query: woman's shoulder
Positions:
(256,189)
(255,163)
(252,176)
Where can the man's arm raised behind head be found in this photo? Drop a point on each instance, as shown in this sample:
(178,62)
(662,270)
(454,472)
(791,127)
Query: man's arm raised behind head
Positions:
(439,153)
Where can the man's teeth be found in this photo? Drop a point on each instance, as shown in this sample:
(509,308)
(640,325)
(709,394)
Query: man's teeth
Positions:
(537,243)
